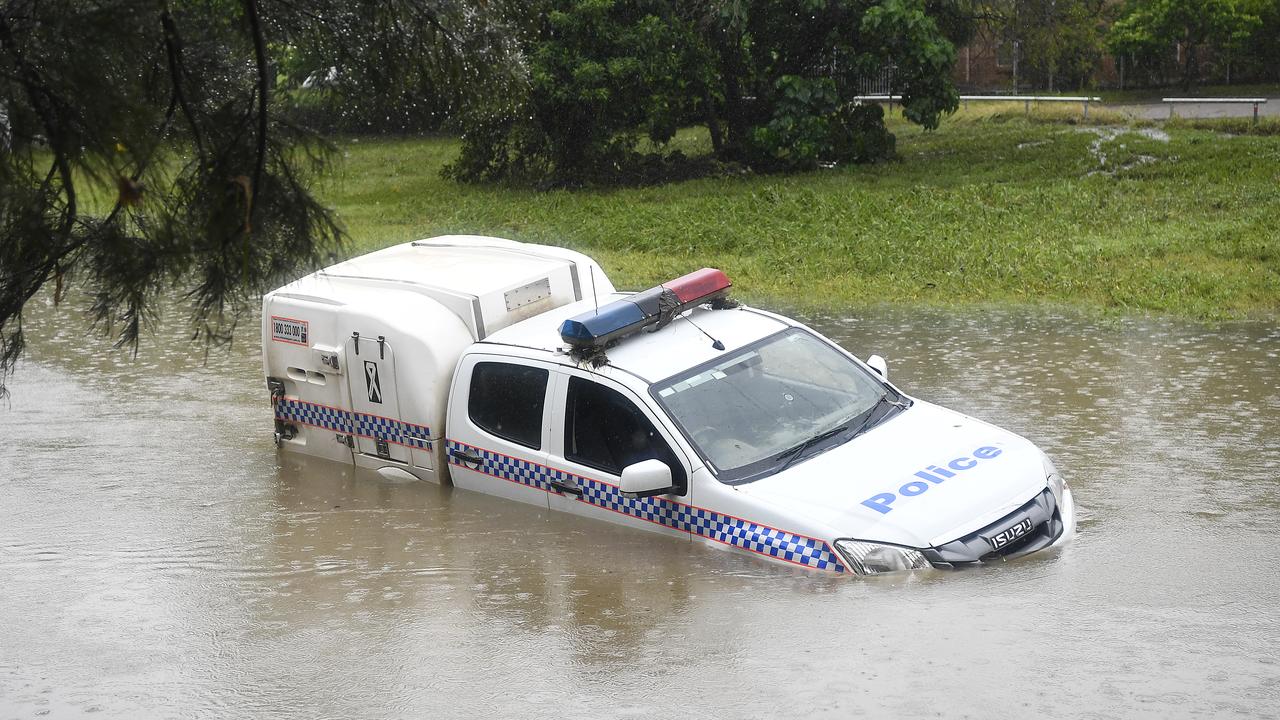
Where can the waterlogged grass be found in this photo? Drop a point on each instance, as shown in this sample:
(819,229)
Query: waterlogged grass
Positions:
(1068,113)
(1269,125)
(992,208)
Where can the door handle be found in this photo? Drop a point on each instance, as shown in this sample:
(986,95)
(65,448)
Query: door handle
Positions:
(466,457)
(566,488)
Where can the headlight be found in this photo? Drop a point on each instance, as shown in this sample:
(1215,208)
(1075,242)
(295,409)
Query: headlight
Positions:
(868,558)
(1057,486)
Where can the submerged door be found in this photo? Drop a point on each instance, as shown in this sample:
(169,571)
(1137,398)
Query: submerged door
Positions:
(498,414)
(371,375)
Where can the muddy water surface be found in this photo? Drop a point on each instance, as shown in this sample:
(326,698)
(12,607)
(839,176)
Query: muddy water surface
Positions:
(159,559)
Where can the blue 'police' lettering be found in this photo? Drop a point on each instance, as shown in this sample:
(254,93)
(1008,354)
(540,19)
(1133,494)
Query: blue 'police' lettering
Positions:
(881,502)
(915,487)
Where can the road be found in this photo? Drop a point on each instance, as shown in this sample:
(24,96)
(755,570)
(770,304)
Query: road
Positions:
(1160,111)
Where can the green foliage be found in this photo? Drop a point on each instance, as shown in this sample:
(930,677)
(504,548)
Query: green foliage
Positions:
(143,153)
(831,44)
(800,131)
(859,134)
(1258,55)
(810,126)
(901,30)
(384,65)
(772,80)
(1059,42)
(599,74)
(1149,30)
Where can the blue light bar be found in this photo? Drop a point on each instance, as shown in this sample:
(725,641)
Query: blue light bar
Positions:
(655,306)
(589,328)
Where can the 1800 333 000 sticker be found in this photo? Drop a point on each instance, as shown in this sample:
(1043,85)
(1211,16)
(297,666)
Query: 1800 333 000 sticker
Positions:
(289,330)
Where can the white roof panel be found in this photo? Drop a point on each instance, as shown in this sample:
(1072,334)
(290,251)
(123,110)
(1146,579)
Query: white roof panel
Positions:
(466,268)
(655,355)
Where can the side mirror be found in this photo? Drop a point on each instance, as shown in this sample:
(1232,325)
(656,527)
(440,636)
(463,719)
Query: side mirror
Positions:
(646,479)
(877,363)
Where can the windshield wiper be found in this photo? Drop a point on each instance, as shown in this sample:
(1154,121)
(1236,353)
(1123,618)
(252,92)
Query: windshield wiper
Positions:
(792,454)
(866,423)
(798,450)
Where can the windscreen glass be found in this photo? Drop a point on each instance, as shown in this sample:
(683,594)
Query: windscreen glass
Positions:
(745,410)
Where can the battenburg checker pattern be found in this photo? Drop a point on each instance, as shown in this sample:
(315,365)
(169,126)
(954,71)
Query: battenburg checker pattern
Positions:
(353,423)
(722,528)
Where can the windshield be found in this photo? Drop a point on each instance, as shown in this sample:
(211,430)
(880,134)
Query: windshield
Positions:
(744,412)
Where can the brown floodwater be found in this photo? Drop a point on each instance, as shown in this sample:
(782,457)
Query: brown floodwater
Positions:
(158,558)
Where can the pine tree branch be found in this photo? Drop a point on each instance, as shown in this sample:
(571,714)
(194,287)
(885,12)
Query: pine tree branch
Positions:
(173,51)
(260,53)
(41,97)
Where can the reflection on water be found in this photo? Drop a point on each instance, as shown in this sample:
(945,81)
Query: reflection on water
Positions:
(160,559)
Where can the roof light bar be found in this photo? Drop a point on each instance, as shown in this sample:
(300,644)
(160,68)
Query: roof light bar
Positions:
(698,285)
(655,306)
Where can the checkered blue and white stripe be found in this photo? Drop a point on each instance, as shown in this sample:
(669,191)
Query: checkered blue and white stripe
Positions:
(763,539)
(502,466)
(719,527)
(654,509)
(321,416)
(415,436)
(354,423)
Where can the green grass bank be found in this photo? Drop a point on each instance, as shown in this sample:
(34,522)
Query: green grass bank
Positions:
(993,208)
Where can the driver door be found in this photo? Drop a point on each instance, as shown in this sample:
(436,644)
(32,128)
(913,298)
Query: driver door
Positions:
(602,428)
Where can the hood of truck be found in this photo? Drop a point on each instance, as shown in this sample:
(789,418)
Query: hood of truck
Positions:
(992,472)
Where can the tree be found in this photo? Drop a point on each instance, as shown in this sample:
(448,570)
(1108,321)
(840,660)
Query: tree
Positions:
(596,75)
(1059,42)
(146,152)
(1259,54)
(1150,28)
(773,80)
(388,65)
(800,63)
(168,104)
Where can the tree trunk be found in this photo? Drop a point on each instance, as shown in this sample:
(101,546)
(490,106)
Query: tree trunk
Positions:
(731,65)
(713,123)
(1017,50)
(1189,67)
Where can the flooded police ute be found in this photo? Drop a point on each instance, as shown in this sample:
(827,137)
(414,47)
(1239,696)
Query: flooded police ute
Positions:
(516,370)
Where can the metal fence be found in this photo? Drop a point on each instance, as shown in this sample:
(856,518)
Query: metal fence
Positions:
(879,83)
(1026,99)
(1173,103)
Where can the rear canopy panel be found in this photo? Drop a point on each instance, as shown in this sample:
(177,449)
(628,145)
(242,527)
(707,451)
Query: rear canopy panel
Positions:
(360,356)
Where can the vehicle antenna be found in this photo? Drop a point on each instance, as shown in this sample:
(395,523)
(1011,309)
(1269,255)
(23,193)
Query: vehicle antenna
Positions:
(714,342)
(592,270)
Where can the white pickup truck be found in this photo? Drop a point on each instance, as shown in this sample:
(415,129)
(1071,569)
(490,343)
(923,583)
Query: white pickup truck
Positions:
(517,370)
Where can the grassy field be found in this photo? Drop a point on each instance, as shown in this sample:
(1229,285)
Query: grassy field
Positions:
(992,208)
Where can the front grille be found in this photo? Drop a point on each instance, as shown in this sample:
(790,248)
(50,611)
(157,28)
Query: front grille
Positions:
(976,547)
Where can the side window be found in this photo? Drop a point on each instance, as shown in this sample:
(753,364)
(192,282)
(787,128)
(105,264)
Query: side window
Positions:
(506,400)
(606,431)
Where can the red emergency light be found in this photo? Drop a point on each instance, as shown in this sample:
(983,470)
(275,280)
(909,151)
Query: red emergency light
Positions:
(655,306)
